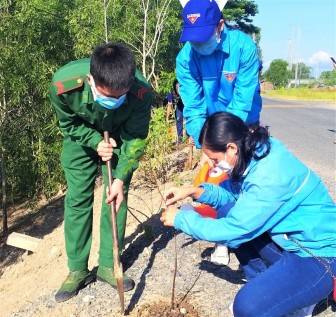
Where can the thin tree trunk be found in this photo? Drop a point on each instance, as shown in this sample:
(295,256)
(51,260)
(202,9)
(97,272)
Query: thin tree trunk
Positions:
(145,6)
(105,21)
(4,202)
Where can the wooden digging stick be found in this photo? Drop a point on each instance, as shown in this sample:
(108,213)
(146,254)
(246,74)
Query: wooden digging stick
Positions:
(188,165)
(118,270)
(190,156)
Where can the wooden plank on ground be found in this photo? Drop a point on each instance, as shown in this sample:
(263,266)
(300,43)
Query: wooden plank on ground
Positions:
(23,241)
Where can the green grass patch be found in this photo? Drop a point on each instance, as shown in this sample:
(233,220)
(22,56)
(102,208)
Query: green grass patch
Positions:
(303,94)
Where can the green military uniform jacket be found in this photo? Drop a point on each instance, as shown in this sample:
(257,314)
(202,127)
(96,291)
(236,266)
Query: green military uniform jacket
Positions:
(84,120)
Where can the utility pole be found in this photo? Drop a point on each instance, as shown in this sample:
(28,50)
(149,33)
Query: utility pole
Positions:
(289,54)
(316,69)
(297,66)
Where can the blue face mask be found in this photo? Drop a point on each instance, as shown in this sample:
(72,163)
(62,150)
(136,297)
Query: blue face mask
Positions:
(207,47)
(106,102)
(109,102)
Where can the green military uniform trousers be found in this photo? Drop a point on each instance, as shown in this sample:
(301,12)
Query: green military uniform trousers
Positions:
(80,166)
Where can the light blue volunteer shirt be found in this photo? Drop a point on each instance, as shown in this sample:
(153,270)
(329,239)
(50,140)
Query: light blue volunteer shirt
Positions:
(225,80)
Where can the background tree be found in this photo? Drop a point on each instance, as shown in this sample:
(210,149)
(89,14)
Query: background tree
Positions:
(239,13)
(34,40)
(278,73)
(303,71)
(37,37)
(329,77)
(86,26)
(151,29)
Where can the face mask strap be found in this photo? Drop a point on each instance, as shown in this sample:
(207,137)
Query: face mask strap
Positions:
(218,34)
(93,88)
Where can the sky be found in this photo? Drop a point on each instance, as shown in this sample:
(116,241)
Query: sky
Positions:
(298,30)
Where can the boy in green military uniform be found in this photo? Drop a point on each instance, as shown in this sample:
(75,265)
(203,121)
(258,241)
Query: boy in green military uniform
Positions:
(104,93)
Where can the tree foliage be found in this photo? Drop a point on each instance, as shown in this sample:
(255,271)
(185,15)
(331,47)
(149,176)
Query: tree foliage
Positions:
(278,73)
(303,71)
(32,45)
(329,77)
(39,36)
(240,12)
(151,29)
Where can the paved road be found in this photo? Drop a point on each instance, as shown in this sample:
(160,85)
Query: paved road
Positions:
(309,130)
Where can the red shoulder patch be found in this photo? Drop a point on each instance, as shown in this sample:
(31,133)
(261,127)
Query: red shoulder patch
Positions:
(138,91)
(68,84)
(141,92)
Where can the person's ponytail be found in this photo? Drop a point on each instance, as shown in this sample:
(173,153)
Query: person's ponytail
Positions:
(257,138)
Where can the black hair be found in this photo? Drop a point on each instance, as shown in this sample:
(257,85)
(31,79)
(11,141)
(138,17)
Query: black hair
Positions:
(174,86)
(222,128)
(113,66)
(232,27)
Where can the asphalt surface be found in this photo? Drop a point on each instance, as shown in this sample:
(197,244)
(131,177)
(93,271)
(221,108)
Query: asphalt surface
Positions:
(309,130)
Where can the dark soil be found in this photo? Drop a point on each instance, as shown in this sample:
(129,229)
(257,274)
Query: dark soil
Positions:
(164,309)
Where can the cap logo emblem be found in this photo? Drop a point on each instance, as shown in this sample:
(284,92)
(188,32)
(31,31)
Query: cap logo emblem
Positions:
(193,17)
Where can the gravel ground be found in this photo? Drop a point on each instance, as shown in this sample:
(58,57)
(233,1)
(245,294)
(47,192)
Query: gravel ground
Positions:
(29,281)
(209,288)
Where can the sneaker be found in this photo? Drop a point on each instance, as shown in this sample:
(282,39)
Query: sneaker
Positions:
(303,312)
(221,255)
(106,274)
(75,281)
(309,310)
(231,308)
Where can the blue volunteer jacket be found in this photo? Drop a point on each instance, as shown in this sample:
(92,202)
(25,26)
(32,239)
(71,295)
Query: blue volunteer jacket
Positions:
(279,195)
(225,80)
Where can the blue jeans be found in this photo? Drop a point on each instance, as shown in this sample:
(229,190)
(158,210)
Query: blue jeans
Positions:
(293,282)
(256,255)
(179,124)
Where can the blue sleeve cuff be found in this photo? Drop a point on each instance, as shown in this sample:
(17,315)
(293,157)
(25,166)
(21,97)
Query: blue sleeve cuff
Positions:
(180,222)
(207,194)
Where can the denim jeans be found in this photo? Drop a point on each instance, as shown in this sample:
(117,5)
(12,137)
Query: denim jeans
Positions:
(256,255)
(179,124)
(292,283)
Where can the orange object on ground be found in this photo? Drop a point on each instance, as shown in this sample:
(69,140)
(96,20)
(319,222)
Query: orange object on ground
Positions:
(214,176)
(206,211)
